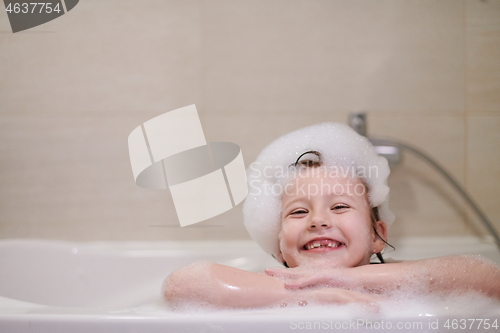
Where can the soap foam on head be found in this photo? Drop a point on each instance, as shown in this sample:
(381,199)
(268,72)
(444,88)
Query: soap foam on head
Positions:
(341,148)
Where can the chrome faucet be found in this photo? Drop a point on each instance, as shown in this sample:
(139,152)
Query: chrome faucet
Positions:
(391,150)
(357,121)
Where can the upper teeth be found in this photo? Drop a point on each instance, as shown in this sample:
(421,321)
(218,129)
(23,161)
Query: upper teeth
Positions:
(321,243)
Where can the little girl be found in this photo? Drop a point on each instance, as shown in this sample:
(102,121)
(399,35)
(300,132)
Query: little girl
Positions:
(318,202)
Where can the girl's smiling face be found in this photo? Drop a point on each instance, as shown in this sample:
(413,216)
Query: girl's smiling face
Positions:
(326,220)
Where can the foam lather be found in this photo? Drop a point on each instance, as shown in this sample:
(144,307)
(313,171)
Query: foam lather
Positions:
(170,150)
(339,145)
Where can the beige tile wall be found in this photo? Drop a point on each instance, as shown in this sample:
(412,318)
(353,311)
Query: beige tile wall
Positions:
(71,90)
(482,118)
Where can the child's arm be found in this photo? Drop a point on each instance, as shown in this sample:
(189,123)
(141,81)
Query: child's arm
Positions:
(221,286)
(454,273)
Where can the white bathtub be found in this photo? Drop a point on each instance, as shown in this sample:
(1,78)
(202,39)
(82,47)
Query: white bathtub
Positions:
(50,286)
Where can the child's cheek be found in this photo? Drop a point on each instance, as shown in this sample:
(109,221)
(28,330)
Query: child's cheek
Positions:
(287,240)
(282,240)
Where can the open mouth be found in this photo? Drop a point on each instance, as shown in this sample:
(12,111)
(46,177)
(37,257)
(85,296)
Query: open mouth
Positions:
(322,243)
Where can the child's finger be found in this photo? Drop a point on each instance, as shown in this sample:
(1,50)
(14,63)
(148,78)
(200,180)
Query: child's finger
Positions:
(283,273)
(340,296)
(316,280)
(273,271)
(305,282)
(332,296)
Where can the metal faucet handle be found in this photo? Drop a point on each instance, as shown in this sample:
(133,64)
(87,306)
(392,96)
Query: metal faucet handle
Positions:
(357,121)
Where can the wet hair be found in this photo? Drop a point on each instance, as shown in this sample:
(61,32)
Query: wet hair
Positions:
(374,216)
(308,162)
(318,162)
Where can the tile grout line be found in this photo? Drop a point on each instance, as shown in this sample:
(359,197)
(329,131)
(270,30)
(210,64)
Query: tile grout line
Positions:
(465,214)
(203,65)
(465,113)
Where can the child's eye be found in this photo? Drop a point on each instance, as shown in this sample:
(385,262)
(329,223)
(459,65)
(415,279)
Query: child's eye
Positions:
(340,207)
(298,212)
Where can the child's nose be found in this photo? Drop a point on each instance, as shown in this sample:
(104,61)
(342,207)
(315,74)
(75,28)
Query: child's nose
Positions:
(319,221)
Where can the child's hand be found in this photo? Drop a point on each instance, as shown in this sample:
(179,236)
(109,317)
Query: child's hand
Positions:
(286,273)
(303,278)
(342,296)
(370,278)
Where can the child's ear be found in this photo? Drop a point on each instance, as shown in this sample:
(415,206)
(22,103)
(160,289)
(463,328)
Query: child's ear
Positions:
(381,229)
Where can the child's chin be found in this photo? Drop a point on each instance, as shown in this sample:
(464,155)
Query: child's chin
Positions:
(321,260)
